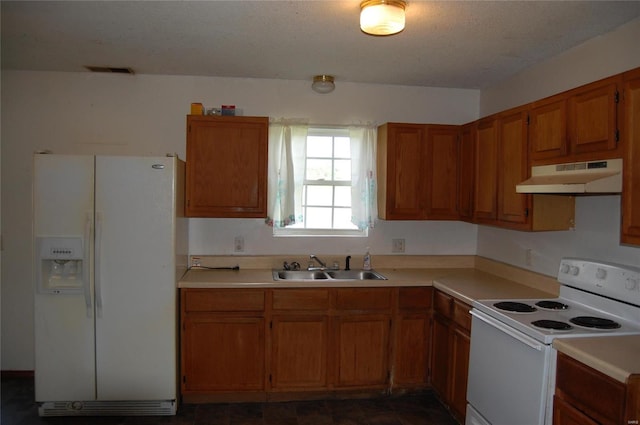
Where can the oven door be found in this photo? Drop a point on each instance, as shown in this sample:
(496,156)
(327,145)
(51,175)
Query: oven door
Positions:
(508,374)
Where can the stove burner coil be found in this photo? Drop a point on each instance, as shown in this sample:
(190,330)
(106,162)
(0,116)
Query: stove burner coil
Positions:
(552,324)
(552,305)
(515,307)
(594,322)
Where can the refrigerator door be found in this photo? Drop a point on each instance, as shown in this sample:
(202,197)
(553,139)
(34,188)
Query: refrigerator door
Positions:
(64,331)
(136,293)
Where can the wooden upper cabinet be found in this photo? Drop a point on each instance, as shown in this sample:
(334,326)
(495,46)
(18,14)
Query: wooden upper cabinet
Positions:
(401,163)
(442,171)
(593,119)
(485,188)
(226,166)
(466,167)
(577,125)
(417,171)
(548,128)
(631,160)
(513,168)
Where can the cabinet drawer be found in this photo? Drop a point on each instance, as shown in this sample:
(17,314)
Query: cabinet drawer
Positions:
(443,303)
(415,298)
(223,300)
(363,299)
(592,392)
(301,299)
(461,315)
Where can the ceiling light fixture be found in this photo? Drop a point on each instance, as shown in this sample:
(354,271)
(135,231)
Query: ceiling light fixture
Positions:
(382,17)
(323,84)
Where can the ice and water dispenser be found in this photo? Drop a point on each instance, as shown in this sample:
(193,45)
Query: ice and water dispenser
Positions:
(60,263)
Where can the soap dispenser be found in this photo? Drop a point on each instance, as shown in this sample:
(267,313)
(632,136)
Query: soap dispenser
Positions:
(366,264)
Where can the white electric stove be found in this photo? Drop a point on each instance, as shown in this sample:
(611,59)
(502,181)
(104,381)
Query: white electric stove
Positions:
(512,363)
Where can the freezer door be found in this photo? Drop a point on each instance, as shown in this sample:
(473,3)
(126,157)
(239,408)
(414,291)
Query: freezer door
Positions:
(64,323)
(136,292)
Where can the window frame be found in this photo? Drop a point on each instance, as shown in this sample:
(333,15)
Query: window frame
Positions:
(323,131)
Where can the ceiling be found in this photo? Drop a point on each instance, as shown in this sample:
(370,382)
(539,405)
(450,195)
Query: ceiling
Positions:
(463,44)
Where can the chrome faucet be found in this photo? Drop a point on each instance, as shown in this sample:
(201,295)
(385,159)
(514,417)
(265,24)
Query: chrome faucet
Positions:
(323,265)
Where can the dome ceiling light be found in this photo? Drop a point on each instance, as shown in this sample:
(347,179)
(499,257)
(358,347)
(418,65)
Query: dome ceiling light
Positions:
(323,84)
(382,17)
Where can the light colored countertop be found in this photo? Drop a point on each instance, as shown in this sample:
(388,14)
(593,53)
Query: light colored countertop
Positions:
(615,356)
(470,284)
(463,283)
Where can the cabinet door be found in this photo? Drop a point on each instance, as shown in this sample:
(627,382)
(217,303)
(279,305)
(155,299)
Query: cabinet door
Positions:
(485,188)
(631,168)
(566,414)
(299,352)
(226,166)
(223,353)
(593,119)
(513,207)
(362,344)
(403,165)
(412,349)
(442,172)
(440,358)
(466,171)
(460,346)
(548,129)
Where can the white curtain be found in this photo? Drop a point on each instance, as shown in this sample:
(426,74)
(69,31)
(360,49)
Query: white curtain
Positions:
(287,151)
(364,203)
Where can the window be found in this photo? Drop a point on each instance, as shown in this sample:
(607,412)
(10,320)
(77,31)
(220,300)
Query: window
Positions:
(326,188)
(321,180)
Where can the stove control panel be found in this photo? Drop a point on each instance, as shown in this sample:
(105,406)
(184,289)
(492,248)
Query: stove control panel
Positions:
(615,281)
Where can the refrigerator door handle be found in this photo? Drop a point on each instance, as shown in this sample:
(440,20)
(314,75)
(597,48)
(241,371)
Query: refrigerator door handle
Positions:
(98,255)
(85,267)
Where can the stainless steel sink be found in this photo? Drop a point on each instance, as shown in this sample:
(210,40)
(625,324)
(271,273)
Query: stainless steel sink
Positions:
(302,275)
(355,275)
(299,275)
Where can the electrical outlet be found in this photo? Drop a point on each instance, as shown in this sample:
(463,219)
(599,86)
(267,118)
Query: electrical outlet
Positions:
(238,244)
(528,257)
(195,262)
(397,245)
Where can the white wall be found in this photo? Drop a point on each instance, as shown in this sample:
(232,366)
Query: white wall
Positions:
(145,115)
(597,233)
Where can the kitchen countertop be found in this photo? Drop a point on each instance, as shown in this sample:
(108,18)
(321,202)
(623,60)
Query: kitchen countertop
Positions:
(465,284)
(615,356)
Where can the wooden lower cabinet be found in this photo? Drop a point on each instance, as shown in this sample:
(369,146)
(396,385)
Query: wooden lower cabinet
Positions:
(238,367)
(299,352)
(450,353)
(362,350)
(251,345)
(586,396)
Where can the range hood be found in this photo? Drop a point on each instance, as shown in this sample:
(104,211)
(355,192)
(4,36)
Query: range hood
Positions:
(576,177)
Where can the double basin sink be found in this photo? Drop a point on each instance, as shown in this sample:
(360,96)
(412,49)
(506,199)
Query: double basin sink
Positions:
(302,275)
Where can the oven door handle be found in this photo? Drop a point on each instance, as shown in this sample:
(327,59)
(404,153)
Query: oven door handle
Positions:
(508,330)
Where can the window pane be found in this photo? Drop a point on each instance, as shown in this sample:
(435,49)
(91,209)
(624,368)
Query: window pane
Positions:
(319,146)
(342,147)
(343,196)
(342,219)
(318,218)
(342,169)
(318,169)
(319,195)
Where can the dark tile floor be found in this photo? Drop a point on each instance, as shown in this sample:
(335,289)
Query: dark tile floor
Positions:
(18,408)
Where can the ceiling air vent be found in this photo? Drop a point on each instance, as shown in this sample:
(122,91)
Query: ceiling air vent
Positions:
(110,69)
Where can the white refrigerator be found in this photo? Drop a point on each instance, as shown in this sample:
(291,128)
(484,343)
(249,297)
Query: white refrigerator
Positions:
(110,241)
